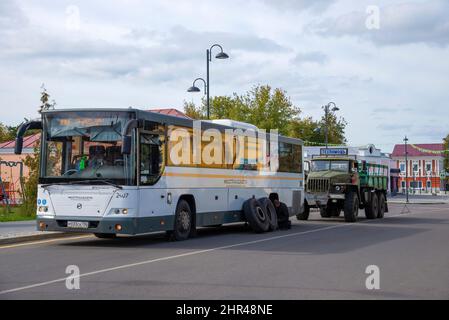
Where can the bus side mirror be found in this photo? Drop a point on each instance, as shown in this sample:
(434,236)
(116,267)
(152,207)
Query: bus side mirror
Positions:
(30,125)
(126,144)
(126,134)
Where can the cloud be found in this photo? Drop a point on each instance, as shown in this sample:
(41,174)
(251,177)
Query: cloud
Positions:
(310,57)
(299,5)
(405,23)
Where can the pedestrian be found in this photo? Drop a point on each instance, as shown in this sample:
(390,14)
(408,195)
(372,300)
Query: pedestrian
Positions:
(284,222)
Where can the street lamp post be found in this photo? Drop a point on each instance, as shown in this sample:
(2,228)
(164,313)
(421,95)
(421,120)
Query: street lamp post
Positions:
(326,120)
(221,55)
(406,169)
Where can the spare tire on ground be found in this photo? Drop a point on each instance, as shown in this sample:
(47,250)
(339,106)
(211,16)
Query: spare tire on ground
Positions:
(256,215)
(271,211)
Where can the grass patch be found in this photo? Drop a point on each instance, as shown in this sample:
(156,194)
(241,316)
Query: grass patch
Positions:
(15,214)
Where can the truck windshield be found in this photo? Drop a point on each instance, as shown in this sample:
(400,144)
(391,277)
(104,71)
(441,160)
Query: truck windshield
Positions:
(85,146)
(328,165)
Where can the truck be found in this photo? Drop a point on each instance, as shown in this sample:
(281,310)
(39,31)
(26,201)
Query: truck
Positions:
(339,183)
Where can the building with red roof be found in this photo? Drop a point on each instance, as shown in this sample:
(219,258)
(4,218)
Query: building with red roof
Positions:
(425,167)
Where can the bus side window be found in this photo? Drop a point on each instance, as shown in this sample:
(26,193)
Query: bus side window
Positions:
(151,158)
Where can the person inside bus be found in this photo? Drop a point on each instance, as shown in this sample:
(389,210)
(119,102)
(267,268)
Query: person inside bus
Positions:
(96,156)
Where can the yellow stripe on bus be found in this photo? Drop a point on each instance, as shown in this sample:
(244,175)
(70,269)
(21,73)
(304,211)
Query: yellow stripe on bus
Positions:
(223,176)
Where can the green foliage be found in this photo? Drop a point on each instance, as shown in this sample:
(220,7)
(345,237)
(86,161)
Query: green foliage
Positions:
(270,109)
(446,158)
(31,182)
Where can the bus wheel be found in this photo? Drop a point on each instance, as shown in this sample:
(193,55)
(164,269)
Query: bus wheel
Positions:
(351,208)
(183,222)
(382,206)
(256,215)
(271,211)
(372,208)
(105,235)
(305,214)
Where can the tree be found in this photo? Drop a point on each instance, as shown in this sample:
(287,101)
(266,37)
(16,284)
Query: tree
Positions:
(271,109)
(45,97)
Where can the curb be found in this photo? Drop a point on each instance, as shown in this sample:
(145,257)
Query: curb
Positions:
(34,237)
(416,202)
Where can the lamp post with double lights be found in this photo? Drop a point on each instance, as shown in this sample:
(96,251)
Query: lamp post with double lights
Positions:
(327,110)
(222,55)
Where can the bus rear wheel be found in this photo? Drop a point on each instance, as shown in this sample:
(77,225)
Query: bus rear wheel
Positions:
(183,222)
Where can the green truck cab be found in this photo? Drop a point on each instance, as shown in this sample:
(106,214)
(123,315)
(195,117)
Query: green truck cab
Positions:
(340,183)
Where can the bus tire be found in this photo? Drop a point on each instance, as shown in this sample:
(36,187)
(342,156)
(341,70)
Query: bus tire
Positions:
(183,222)
(372,207)
(256,216)
(305,214)
(271,212)
(382,205)
(105,235)
(351,208)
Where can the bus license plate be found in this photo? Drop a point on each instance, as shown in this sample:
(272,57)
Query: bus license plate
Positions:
(78,224)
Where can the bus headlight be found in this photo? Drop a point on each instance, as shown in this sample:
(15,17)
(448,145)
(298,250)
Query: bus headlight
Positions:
(125,211)
(42,209)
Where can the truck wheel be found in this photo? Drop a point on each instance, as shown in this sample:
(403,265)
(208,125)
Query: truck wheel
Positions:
(183,222)
(372,207)
(382,206)
(325,212)
(105,235)
(271,212)
(351,209)
(256,216)
(305,214)
(335,211)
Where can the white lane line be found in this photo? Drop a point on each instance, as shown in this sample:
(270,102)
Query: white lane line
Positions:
(192,253)
(43,241)
(172,257)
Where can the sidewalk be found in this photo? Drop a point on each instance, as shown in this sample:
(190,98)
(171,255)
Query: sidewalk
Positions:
(420,199)
(21,231)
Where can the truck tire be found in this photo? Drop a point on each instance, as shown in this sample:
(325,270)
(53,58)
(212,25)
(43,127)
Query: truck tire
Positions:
(334,210)
(382,206)
(256,216)
(372,207)
(183,222)
(325,212)
(105,235)
(305,214)
(271,212)
(351,208)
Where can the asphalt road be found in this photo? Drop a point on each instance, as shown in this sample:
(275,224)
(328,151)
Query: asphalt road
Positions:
(317,259)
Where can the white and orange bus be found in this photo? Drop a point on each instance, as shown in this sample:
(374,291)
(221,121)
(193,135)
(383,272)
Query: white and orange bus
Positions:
(128,171)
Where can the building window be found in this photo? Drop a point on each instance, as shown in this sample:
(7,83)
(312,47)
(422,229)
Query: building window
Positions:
(403,184)
(402,166)
(428,166)
(415,167)
(429,184)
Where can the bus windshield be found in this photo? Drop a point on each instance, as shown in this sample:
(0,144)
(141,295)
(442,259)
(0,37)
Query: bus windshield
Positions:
(326,165)
(85,146)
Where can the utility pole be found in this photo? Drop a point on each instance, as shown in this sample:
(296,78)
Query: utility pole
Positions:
(406,169)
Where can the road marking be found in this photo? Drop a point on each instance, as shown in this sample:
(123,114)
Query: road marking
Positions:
(43,241)
(194,253)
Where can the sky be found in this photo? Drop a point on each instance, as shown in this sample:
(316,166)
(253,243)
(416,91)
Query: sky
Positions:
(384,63)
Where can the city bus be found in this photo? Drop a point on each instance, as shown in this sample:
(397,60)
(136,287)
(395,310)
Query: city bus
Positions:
(112,172)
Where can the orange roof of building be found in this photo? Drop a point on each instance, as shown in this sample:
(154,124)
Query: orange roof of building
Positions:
(28,142)
(171,112)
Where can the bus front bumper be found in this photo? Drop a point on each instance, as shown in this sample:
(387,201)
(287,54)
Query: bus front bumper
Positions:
(126,226)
